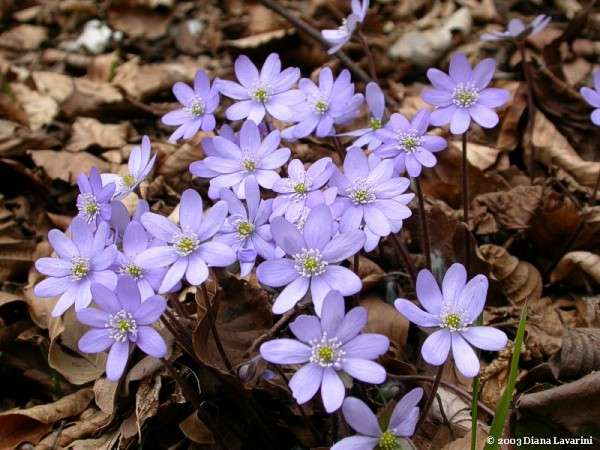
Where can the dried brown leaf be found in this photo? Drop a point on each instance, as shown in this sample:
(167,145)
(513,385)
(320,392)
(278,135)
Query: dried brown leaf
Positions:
(195,430)
(579,355)
(40,109)
(88,132)
(65,165)
(139,22)
(16,255)
(384,319)
(24,37)
(574,266)
(90,421)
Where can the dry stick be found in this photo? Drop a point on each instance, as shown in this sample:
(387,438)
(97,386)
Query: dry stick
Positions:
(436,385)
(191,396)
(213,327)
(316,435)
(425,241)
(402,251)
(367,51)
(179,338)
(465,186)
(279,325)
(530,105)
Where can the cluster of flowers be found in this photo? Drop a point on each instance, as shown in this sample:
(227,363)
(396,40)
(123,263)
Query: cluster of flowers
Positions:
(321,215)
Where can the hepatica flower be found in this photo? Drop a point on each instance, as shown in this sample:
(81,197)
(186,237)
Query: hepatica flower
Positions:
(258,93)
(452,311)
(592,96)
(339,36)
(331,103)
(119,219)
(369,136)
(121,320)
(198,106)
(328,348)
(82,259)
(370,197)
(188,251)
(463,95)
(517,29)
(253,157)
(93,201)
(246,230)
(311,261)
(408,144)
(401,425)
(302,188)
(139,166)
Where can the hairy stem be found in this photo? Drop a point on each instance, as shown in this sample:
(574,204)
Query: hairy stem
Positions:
(425,241)
(431,397)
(465,200)
(530,105)
(402,252)
(213,327)
(367,51)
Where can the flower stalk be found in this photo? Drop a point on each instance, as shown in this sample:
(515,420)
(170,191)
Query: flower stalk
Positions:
(425,240)
(431,397)
(213,327)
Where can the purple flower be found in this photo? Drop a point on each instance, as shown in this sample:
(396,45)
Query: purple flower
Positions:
(199,105)
(408,144)
(135,241)
(453,311)
(593,97)
(339,36)
(302,188)
(119,219)
(188,251)
(82,259)
(258,93)
(312,260)
(121,320)
(360,417)
(370,197)
(139,165)
(327,347)
(253,157)
(93,201)
(518,30)
(360,8)
(369,136)
(246,229)
(331,103)
(464,95)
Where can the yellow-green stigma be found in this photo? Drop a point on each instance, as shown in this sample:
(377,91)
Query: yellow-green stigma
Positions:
(121,325)
(186,245)
(89,207)
(321,106)
(309,262)
(361,197)
(300,188)
(388,441)
(196,108)
(260,95)
(80,267)
(374,123)
(133,271)
(465,95)
(326,354)
(244,229)
(128,180)
(452,321)
(249,165)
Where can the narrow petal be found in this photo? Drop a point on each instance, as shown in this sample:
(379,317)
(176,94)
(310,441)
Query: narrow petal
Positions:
(436,347)
(306,328)
(332,390)
(465,358)
(364,370)
(151,342)
(285,351)
(150,310)
(62,245)
(332,313)
(416,315)
(291,295)
(245,71)
(428,292)
(461,119)
(454,282)
(367,346)
(440,80)
(353,323)
(276,272)
(317,229)
(360,417)
(342,279)
(212,221)
(404,407)
(318,291)
(485,338)
(484,116)
(93,317)
(156,257)
(343,246)
(95,341)
(173,275)
(306,382)
(483,73)
(117,360)
(190,210)
(472,298)
(460,69)
(437,97)
(54,267)
(158,226)
(356,443)
(287,236)
(197,270)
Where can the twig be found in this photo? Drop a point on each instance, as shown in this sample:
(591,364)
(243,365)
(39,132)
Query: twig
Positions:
(213,327)
(280,324)
(434,388)
(444,417)
(530,105)
(465,183)
(181,340)
(425,241)
(314,34)
(402,252)
(367,51)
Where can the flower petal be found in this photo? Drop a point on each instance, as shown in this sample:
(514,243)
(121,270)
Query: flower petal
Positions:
(332,312)
(436,347)
(95,341)
(472,297)
(306,328)
(483,73)
(493,98)
(93,317)
(367,346)
(285,351)
(485,338)
(332,390)
(461,119)
(158,226)
(306,382)
(150,310)
(287,236)
(151,342)
(343,246)
(216,254)
(342,279)
(403,409)
(360,417)
(291,295)
(173,275)
(356,443)
(460,69)
(465,358)
(353,323)
(117,360)
(454,282)
(484,116)
(317,229)
(364,370)
(276,272)
(428,292)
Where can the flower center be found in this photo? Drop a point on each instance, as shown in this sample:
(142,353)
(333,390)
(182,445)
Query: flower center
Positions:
(121,325)
(465,95)
(80,267)
(186,243)
(327,352)
(244,229)
(128,180)
(361,192)
(196,107)
(249,164)
(89,207)
(409,141)
(300,188)
(452,321)
(260,93)
(321,106)
(374,123)
(309,262)
(388,441)
(135,272)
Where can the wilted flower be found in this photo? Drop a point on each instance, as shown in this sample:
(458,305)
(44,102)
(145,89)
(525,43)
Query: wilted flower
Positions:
(139,166)
(453,311)
(369,195)
(312,260)
(188,251)
(339,36)
(246,230)
(121,320)
(135,241)
(258,93)
(82,259)
(253,157)
(464,95)
(408,144)
(302,188)
(369,136)
(592,96)
(93,201)
(328,348)
(517,29)
(331,103)
(198,109)
(360,417)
